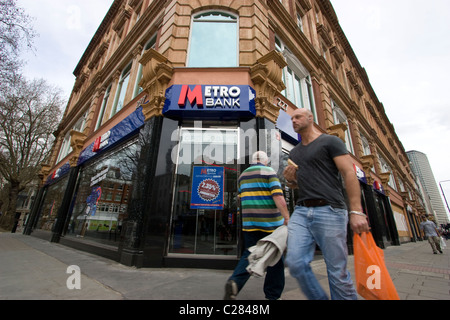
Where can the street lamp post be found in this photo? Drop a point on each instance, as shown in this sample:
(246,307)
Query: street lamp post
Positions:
(445,199)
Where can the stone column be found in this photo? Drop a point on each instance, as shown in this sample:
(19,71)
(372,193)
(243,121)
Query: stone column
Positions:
(142,220)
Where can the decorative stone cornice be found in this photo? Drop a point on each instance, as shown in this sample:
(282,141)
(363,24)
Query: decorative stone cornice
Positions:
(121,19)
(323,33)
(98,54)
(367,162)
(385,177)
(45,171)
(80,81)
(338,130)
(76,142)
(157,72)
(266,75)
(305,4)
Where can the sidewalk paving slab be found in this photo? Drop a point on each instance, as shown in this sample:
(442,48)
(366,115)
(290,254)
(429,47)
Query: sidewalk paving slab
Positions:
(35,269)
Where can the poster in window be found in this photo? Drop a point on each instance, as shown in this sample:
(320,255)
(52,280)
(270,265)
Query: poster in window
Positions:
(92,200)
(207,188)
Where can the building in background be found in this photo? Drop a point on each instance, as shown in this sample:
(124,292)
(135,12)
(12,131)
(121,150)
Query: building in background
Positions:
(171,99)
(422,169)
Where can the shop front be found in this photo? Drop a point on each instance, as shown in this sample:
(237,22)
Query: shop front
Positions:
(160,187)
(44,215)
(378,208)
(192,213)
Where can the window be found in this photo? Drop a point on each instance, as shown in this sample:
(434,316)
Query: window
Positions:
(98,207)
(293,87)
(365,145)
(103,107)
(150,45)
(214,40)
(324,52)
(401,185)
(296,79)
(81,123)
(300,22)
(340,117)
(205,231)
(121,90)
(66,148)
(385,167)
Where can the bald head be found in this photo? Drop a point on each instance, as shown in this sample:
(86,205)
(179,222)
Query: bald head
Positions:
(302,119)
(303,111)
(261,157)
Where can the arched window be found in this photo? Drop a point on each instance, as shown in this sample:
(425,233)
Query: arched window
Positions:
(214,40)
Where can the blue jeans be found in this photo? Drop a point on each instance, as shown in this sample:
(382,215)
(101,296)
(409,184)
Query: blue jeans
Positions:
(274,280)
(327,227)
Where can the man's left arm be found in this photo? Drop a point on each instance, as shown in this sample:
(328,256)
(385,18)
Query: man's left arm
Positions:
(344,163)
(280,202)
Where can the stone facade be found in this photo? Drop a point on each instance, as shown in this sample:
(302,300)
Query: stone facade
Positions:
(149,39)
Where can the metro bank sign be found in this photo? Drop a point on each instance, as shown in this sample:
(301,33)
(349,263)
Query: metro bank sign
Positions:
(221,102)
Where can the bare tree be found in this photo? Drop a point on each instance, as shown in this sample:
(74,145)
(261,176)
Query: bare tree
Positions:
(15,34)
(29,114)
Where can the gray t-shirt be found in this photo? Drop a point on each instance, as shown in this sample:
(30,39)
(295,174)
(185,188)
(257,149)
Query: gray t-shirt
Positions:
(317,174)
(429,227)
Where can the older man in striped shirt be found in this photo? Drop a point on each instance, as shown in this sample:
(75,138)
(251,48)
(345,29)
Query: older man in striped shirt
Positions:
(263,210)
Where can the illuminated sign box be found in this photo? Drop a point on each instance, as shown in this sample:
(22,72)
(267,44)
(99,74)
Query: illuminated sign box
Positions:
(221,102)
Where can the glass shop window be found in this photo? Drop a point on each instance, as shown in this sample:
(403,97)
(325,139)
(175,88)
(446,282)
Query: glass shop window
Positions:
(102,196)
(50,207)
(202,230)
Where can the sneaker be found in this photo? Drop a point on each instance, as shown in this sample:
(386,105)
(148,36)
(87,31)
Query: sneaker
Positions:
(231,290)
(435,252)
(440,251)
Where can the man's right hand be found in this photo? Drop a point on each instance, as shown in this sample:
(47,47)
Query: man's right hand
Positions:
(290,174)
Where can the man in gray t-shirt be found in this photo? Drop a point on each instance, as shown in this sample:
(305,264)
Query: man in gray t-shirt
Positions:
(316,166)
(429,228)
(318,177)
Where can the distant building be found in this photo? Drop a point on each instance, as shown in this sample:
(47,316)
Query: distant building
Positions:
(422,169)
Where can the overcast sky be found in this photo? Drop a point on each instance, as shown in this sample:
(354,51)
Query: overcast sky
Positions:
(404,45)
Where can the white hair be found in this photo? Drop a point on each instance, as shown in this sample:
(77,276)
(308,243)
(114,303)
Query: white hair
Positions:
(261,157)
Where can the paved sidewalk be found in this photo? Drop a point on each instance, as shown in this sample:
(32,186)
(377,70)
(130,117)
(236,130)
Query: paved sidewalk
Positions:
(35,269)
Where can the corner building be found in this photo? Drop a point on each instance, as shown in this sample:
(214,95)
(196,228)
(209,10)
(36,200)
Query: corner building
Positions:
(171,99)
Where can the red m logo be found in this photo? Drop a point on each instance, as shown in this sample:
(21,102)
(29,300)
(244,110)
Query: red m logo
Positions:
(194,95)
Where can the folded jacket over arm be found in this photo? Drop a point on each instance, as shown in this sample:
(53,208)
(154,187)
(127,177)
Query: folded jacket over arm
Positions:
(267,251)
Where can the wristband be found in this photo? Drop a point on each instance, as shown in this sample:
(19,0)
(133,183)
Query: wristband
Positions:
(358,213)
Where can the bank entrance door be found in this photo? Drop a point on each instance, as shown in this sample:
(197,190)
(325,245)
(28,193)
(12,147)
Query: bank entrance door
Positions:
(205,230)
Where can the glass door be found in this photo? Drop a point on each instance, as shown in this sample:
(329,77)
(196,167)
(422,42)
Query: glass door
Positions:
(205,210)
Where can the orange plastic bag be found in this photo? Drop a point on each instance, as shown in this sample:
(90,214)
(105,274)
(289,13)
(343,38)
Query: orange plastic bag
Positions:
(373,281)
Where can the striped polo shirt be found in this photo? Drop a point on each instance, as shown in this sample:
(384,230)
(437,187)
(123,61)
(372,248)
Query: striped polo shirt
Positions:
(257,185)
